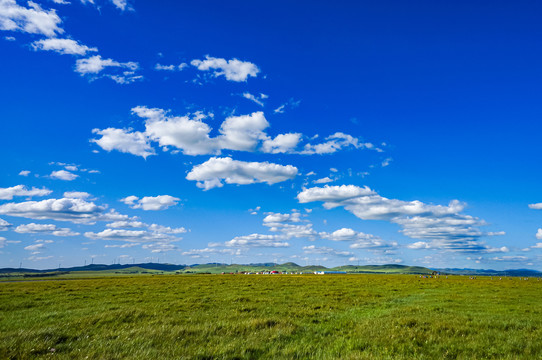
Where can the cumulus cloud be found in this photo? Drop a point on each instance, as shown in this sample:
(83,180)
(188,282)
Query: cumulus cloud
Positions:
(539,234)
(32,19)
(126,224)
(62,46)
(21,190)
(204,253)
(63,175)
(243,132)
(166,229)
(444,226)
(537,206)
(24,172)
(137,236)
(233,70)
(135,143)
(4,225)
(324,180)
(64,209)
(282,143)
(160,202)
(334,143)
(95,64)
(257,240)
(290,225)
(189,134)
(211,173)
(52,229)
(192,136)
(323,250)
(35,248)
(333,194)
(77,195)
(419,245)
(359,240)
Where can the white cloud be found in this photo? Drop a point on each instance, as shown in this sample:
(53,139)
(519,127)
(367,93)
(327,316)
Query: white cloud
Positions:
(324,250)
(537,206)
(127,224)
(359,240)
(33,228)
(160,247)
(334,143)
(76,194)
(4,225)
(211,173)
(510,258)
(121,4)
(233,70)
(135,143)
(35,248)
(32,19)
(95,64)
(122,246)
(127,77)
(39,258)
(9,38)
(290,225)
(62,46)
(161,67)
(539,234)
(253,98)
(21,190)
(191,135)
(333,194)
(128,235)
(445,226)
(243,132)
(257,240)
(282,143)
(166,229)
(24,173)
(165,67)
(65,209)
(324,180)
(386,162)
(290,103)
(63,175)
(419,245)
(160,202)
(199,253)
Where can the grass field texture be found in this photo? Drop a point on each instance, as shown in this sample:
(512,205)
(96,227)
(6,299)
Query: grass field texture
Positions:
(271,316)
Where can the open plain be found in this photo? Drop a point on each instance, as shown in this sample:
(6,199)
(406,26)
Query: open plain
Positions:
(271,316)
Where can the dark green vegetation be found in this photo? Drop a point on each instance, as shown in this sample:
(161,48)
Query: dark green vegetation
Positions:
(206,268)
(271,316)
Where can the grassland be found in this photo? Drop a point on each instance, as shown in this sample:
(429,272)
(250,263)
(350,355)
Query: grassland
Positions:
(271,316)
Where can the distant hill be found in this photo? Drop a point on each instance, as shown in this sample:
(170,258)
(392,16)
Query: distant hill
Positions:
(217,268)
(490,272)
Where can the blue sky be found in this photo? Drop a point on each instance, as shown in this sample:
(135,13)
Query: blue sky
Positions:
(319,133)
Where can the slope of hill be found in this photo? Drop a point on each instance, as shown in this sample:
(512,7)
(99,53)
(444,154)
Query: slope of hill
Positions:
(217,268)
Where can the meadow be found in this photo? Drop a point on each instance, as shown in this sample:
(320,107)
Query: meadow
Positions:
(271,316)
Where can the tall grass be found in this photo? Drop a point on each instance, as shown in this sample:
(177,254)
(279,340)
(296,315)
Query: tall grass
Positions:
(286,317)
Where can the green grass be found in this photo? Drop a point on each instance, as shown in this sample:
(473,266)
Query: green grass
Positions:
(271,316)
